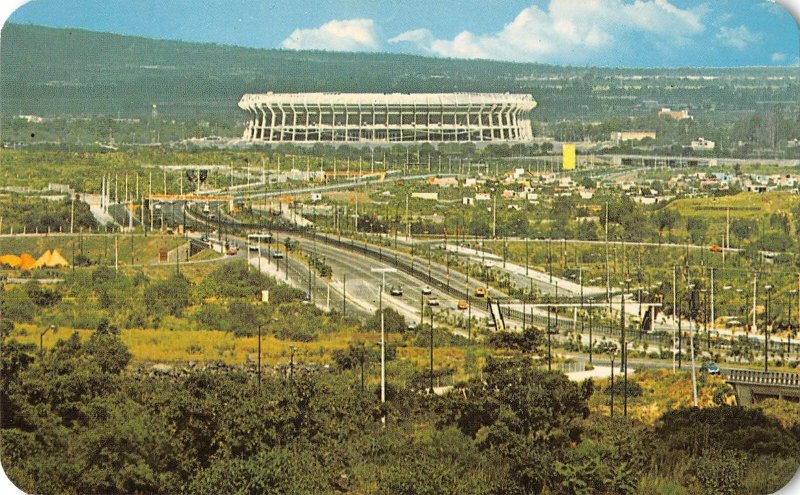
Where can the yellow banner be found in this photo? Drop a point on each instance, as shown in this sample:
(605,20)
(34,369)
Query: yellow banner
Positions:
(568,156)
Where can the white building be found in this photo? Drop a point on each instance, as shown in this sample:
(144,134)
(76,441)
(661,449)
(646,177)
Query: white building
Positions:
(702,144)
(380,117)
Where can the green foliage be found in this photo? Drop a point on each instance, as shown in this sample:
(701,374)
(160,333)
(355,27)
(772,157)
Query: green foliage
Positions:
(719,472)
(634,389)
(728,428)
(16,305)
(34,214)
(169,296)
(107,350)
(393,322)
(529,340)
(42,296)
(272,472)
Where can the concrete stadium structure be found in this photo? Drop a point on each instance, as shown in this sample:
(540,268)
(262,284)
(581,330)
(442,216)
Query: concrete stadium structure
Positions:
(378,117)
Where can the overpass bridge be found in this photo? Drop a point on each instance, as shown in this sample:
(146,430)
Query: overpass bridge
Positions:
(753,386)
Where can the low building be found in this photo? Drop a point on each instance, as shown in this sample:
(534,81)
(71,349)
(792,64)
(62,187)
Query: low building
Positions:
(702,144)
(622,136)
(485,196)
(443,181)
(674,114)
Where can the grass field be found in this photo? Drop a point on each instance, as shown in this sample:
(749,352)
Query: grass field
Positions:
(203,346)
(743,205)
(98,248)
(662,390)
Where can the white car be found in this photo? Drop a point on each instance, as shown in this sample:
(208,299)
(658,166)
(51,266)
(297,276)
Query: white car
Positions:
(427,290)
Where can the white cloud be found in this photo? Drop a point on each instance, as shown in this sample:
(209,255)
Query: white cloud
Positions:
(569,30)
(348,35)
(778,57)
(738,37)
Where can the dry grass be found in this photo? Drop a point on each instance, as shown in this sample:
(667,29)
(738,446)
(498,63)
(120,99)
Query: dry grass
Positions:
(662,390)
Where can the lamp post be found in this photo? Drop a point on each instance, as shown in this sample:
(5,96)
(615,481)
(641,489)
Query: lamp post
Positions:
(258,372)
(591,327)
(624,357)
(691,347)
(768,290)
(431,383)
(792,293)
(291,361)
(51,328)
(383,272)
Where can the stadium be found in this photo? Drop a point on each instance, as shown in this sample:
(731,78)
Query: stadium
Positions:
(379,117)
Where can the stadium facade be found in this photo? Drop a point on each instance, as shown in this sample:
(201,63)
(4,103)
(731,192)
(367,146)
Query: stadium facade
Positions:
(379,117)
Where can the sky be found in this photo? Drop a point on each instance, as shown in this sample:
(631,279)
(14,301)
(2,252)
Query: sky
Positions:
(610,33)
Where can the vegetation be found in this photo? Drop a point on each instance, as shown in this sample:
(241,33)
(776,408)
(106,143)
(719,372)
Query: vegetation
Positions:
(76,420)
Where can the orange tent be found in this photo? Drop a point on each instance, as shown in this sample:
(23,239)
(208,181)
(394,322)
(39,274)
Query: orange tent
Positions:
(26,261)
(11,260)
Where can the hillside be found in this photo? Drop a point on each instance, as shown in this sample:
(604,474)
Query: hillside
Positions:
(58,72)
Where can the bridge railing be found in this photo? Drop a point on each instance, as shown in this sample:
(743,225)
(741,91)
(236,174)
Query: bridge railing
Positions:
(754,377)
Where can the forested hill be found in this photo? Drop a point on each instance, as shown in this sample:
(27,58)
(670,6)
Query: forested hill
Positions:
(51,72)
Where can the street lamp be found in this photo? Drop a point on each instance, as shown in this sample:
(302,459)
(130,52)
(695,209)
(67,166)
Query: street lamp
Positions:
(291,361)
(383,272)
(768,289)
(792,293)
(51,328)
(691,346)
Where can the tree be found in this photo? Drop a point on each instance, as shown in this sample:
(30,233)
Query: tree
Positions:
(16,305)
(107,349)
(526,416)
(527,341)
(666,219)
(697,227)
(169,296)
(392,321)
(743,228)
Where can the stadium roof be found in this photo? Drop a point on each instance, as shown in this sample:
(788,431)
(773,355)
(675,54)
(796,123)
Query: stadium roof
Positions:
(525,101)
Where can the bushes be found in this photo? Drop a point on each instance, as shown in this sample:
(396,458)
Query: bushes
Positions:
(169,296)
(634,389)
(16,305)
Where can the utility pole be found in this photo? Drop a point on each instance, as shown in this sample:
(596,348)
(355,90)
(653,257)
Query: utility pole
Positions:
(259,354)
(768,290)
(712,308)
(431,352)
(624,357)
(675,320)
(608,269)
(344,295)
(494,217)
(116,255)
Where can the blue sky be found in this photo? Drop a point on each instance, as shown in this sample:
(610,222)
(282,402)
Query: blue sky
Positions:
(635,33)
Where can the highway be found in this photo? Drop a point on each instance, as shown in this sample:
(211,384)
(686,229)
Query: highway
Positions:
(356,259)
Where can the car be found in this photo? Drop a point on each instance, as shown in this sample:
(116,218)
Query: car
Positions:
(204,238)
(277,254)
(412,325)
(433,301)
(396,290)
(232,250)
(480,292)
(710,368)
(253,247)
(427,291)
(462,304)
